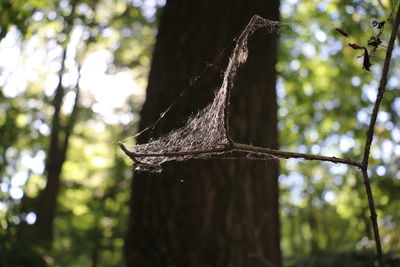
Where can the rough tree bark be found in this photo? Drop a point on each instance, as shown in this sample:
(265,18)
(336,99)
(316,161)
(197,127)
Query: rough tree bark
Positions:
(209,213)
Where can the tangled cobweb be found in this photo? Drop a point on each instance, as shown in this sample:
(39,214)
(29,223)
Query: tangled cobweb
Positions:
(206,133)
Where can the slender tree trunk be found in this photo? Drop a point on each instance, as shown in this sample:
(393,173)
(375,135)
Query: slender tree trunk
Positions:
(209,213)
(97,247)
(59,140)
(57,150)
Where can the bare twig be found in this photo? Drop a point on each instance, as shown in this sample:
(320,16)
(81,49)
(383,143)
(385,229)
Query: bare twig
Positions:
(237,147)
(261,153)
(370,134)
(289,155)
(381,90)
(175,154)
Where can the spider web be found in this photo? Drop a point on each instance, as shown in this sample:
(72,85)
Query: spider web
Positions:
(205,134)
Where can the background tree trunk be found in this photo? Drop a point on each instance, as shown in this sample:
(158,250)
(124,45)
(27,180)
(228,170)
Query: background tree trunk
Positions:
(209,213)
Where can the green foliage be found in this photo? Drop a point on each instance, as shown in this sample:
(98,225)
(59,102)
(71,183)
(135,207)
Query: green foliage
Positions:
(92,200)
(17,13)
(325,99)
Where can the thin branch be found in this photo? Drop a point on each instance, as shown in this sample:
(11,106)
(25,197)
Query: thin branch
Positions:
(289,155)
(239,57)
(370,134)
(381,90)
(133,157)
(175,154)
(237,147)
(373,216)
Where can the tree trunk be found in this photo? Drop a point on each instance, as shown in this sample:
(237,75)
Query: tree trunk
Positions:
(59,141)
(57,150)
(209,213)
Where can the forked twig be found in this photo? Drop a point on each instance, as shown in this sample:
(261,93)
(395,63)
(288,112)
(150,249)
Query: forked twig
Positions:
(268,153)
(370,134)
(238,57)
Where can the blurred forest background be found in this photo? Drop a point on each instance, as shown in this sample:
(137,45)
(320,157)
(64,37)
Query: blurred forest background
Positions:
(73,76)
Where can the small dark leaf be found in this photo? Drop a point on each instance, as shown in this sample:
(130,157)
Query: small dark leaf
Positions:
(342,32)
(356,46)
(366,62)
(374,41)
